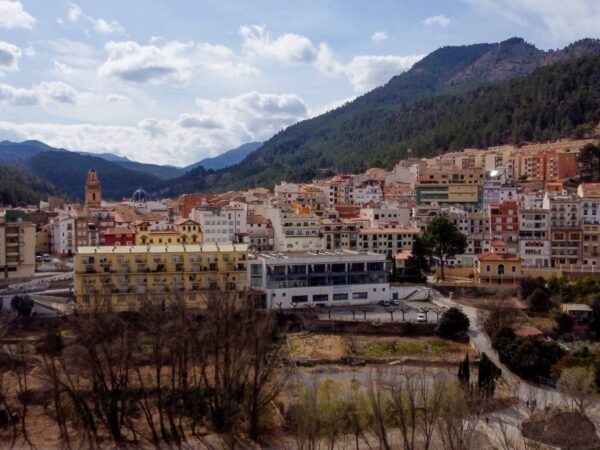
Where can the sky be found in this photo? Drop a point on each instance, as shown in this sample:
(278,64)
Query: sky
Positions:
(175,81)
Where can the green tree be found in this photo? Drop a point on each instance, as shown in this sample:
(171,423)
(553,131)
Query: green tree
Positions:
(443,240)
(487,375)
(464,371)
(452,322)
(418,263)
(539,301)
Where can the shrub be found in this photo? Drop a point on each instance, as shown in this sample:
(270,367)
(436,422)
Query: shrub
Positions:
(539,301)
(452,322)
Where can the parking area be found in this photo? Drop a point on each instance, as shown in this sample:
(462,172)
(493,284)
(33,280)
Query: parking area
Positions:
(416,311)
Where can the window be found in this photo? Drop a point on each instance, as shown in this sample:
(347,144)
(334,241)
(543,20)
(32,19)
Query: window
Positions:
(488,268)
(343,296)
(321,298)
(360,295)
(299,298)
(514,269)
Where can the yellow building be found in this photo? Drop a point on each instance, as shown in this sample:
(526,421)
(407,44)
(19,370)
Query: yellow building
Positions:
(498,267)
(184,231)
(121,278)
(17,245)
(445,187)
(43,238)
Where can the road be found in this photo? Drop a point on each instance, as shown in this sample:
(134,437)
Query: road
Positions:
(521,388)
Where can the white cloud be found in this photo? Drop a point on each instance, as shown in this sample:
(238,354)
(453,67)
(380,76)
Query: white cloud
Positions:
(289,47)
(117,98)
(105,27)
(74,12)
(561,22)
(224,61)
(379,36)
(9,57)
(12,15)
(216,126)
(100,25)
(364,72)
(367,72)
(44,92)
(137,63)
(440,20)
(57,91)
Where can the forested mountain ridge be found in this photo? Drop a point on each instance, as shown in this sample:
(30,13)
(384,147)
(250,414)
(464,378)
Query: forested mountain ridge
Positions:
(20,187)
(558,100)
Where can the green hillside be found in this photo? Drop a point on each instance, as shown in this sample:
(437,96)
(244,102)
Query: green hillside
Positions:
(68,171)
(556,101)
(20,187)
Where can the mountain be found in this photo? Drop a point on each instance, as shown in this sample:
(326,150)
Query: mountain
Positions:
(18,151)
(229,158)
(456,97)
(68,171)
(154,170)
(20,187)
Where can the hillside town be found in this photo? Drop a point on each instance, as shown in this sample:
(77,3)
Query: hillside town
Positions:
(336,257)
(523,211)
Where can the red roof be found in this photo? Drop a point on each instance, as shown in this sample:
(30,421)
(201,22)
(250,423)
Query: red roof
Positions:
(528,331)
(498,243)
(497,257)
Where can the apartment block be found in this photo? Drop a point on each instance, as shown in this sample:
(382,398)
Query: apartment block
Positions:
(565,228)
(386,240)
(534,237)
(121,278)
(323,278)
(184,231)
(17,244)
(454,187)
(222,223)
(504,222)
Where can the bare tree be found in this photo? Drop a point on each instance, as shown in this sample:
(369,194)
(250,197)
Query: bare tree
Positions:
(458,421)
(578,385)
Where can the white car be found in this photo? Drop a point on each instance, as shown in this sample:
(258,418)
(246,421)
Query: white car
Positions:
(421,317)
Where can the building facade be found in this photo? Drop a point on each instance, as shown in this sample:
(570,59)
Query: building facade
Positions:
(328,278)
(17,245)
(121,278)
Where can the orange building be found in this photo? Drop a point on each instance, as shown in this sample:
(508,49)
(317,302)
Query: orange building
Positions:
(93,195)
(561,165)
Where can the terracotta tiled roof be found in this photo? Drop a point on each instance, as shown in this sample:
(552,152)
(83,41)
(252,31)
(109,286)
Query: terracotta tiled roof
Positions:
(497,257)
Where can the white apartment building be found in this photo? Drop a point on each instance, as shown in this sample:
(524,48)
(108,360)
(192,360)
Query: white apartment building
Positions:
(309,279)
(365,193)
(386,240)
(386,212)
(222,224)
(495,190)
(62,234)
(534,237)
(294,232)
(287,191)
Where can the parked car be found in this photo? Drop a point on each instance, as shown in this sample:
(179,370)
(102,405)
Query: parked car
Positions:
(47,257)
(421,317)
(384,302)
(395,302)
(38,258)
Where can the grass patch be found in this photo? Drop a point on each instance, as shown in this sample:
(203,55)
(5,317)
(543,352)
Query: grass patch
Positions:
(406,347)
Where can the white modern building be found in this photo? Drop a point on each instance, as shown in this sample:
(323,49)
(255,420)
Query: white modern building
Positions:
(534,237)
(386,212)
(222,224)
(307,279)
(294,232)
